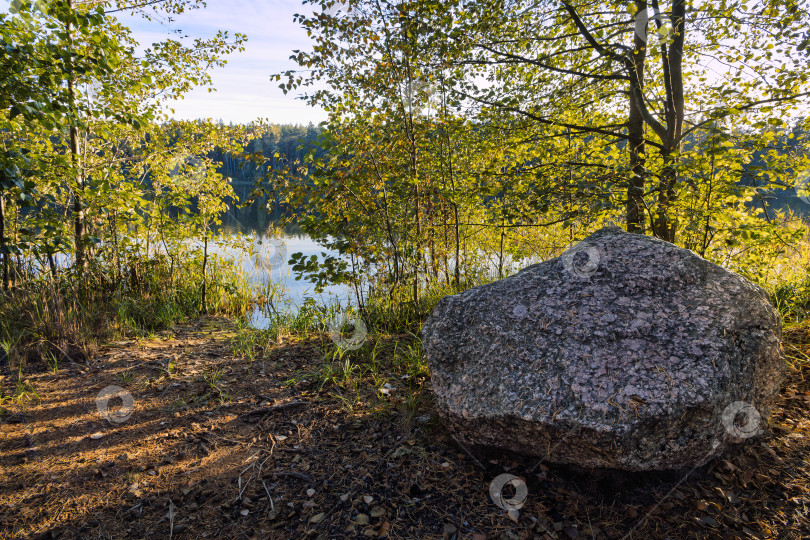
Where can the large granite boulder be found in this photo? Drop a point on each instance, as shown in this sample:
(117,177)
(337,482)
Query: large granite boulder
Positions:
(625,352)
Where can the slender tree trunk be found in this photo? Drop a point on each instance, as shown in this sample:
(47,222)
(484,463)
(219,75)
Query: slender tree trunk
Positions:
(636,220)
(503,232)
(355,284)
(707,227)
(445,243)
(114,227)
(389,230)
(17,270)
(665,227)
(394,245)
(457,269)
(417,216)
(431,214)
(450,174)
(52,264)
(204,299)
(3,246)
(78,224)
(500,250)
(672,64)
(446,173)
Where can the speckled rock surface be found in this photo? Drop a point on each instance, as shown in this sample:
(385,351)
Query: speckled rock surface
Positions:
(626,352)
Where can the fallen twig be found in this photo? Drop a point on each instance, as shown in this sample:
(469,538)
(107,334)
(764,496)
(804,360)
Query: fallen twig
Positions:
(272,506)
(294,474)
(274,408)
(468,452)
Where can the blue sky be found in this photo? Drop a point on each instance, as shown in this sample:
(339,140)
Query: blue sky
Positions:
(244,90)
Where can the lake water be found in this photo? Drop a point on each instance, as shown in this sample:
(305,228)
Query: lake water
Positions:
(263,259)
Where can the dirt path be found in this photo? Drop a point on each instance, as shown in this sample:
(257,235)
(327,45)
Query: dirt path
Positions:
(220,447)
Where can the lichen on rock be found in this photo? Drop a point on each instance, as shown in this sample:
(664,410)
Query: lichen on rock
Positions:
(622,353)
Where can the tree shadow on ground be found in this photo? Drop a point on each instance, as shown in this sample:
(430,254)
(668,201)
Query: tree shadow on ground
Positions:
(192,464)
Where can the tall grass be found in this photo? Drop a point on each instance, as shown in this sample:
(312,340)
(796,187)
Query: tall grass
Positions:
(64,318)
(785,275)
(388,368)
